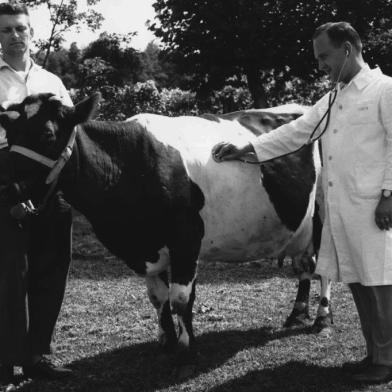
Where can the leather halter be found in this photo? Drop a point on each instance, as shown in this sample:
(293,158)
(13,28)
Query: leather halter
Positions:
(55,165)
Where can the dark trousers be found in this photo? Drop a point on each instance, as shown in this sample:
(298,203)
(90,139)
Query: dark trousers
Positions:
(34,263)
(374,305)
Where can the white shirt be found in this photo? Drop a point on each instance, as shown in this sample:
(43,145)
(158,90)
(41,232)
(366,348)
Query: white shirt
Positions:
(357,156)
(15,87)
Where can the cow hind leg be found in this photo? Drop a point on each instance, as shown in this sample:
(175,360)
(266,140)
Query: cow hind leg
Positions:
(158,293)
(300,312)
(324,319)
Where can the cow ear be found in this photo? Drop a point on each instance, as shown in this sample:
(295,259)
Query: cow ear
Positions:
(86,109)
(8,117)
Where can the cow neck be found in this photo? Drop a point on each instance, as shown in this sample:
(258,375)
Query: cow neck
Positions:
(70,172)
(92,169)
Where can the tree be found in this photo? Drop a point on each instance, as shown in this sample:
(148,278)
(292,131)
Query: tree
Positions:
(157,65)
(64,15)
(217,39)
(115,50)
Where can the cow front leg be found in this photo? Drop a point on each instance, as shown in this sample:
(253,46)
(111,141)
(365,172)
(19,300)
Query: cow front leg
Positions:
(183,311)
(300,312)
(324,319)
(158,293)
(184,253)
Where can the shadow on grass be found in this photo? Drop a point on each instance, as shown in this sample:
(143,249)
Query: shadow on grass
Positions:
(293,376)
(143,368)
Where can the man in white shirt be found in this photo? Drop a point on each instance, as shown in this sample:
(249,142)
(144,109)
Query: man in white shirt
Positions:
(356,245)
(35,256)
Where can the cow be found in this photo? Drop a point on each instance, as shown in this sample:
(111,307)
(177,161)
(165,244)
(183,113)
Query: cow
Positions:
(157,199)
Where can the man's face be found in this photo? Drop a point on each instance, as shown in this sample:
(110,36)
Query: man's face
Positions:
(15,34)
(331,59)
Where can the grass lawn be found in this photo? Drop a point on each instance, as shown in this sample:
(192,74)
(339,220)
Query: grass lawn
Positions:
(107,332)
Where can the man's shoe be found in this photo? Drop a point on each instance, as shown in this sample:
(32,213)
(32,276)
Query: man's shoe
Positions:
(7,378)
(8,388)
(45,369)
(374,374)
(358,366)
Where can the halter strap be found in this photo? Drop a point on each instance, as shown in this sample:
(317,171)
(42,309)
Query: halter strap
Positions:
(33,155)
(56,165)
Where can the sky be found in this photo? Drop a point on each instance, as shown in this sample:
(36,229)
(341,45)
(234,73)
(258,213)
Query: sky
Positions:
(121,16)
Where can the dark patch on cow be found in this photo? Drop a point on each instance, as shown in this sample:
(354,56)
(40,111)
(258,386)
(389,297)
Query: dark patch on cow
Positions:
(317,228)
(136,193)
(259,122)
(289,181)
(210,117)
(324,302)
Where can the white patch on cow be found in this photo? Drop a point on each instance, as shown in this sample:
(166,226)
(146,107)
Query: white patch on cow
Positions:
(158,293)
(179,296)
(183,338)
(287,108)
(325,292)
(159,266)
(239,219)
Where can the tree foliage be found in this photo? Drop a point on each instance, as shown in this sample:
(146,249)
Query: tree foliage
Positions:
(115,50)
(216,39)
(64,15)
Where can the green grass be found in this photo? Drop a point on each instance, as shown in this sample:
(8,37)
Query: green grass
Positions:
(107,332)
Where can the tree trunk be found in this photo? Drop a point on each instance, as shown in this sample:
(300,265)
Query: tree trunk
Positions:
(255,87)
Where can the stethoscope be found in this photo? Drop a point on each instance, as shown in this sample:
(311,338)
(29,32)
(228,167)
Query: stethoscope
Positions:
(327,115)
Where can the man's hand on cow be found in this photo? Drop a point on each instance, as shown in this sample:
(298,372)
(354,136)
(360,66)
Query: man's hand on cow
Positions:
(226,151)
(383,215)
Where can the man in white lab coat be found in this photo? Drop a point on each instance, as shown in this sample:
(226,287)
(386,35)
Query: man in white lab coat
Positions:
(356,245)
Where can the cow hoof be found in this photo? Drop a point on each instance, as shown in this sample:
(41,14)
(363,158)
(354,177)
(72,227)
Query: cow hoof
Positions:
(297,319)
(185,355)
(178,308)
(168,346)
(323,325)
(167,342)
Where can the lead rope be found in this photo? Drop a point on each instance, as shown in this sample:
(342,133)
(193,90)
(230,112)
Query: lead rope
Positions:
(56,168)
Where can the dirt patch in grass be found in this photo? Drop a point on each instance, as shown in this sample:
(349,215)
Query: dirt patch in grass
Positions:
(107,332)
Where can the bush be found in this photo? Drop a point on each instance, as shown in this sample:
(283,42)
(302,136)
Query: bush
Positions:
(121,102)
(177,102)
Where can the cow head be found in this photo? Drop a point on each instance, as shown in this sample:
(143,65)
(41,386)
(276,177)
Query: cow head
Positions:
(41,123)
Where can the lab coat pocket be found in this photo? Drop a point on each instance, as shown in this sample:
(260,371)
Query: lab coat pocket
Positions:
(363,112)
(368,179)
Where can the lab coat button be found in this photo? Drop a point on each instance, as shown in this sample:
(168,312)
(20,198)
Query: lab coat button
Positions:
(335,131)
(330,158)
(330,183)
(340,107)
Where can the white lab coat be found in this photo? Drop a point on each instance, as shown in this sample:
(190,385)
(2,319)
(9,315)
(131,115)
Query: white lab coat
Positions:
(357,165)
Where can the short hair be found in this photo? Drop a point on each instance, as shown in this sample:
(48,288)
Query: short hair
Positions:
(13,8)
(340,32)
